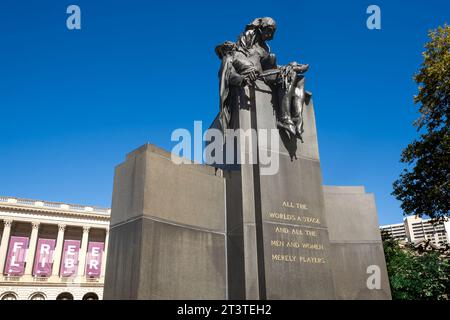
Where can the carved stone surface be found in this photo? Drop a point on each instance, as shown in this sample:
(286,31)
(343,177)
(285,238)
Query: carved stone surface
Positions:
(7,223)
(222,239)
(280,214)
(355,243)
(167,238)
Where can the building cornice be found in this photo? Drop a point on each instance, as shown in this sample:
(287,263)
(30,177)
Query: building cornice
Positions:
(51,284)
(53,209)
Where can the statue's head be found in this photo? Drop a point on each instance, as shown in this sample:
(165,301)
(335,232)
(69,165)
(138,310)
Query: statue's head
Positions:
(266,27)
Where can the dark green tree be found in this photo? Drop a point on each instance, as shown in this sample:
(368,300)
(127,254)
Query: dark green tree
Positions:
(424,187)
(414,276)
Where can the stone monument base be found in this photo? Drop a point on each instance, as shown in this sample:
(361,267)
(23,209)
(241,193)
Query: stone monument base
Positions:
(196,232)
(168,233)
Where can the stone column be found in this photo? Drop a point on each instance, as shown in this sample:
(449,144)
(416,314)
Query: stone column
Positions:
(105,253)
(4,244)
(82,254)
(32,248)
(58,250)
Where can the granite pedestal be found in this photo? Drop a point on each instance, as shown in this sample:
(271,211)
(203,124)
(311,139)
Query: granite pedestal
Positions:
(168,232)
(235,232)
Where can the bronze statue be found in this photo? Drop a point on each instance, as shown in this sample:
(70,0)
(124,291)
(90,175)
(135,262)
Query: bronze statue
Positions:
(249,59)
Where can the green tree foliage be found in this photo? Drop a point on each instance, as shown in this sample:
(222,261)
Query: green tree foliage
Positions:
(424,187)
(416,276)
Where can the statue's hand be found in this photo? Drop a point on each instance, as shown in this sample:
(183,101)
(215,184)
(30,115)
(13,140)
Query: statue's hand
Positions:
(303,68)
(299,68)
(251,76)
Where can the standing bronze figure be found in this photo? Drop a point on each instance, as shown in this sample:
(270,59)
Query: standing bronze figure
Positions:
(249,59)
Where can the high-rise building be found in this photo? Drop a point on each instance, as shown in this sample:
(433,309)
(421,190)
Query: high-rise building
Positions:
(415,229)
(52,250)
(396,231)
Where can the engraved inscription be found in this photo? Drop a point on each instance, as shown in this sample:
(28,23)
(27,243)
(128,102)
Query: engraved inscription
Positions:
(296,244)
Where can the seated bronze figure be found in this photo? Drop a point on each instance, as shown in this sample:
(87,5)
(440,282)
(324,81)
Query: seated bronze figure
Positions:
(249,59)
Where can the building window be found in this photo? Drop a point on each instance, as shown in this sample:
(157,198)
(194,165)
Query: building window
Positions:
(9,296)
(37,296)
(90,296)
(64,296)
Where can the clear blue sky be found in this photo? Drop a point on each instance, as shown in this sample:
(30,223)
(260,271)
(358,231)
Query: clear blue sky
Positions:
(73,103)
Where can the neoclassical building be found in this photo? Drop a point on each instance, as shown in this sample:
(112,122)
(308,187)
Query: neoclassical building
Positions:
(52,250)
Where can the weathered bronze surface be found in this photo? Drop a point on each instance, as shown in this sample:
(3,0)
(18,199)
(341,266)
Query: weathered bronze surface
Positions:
(249,59)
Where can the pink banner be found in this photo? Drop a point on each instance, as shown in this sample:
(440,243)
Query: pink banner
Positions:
(17,252)
(43,261)
(69,262)
(94,259)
